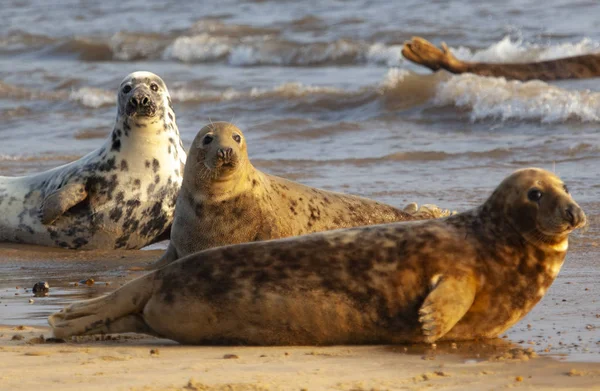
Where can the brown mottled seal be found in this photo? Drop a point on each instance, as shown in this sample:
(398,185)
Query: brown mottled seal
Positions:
(225,200)
(122,195)
(471,275)
(423,52)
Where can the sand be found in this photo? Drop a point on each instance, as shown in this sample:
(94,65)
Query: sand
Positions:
(145,363)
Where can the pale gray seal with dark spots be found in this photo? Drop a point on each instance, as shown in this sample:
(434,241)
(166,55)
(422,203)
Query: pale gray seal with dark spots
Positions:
(225,200)
(121,195)
(467,276)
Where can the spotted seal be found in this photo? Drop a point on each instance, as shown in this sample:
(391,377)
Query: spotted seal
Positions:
(225,200)
(470,275)
(423,52)
(121,195)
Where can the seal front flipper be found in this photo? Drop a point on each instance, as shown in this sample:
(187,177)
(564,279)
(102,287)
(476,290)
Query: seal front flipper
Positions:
(169,256)
(61,200)
(449,300)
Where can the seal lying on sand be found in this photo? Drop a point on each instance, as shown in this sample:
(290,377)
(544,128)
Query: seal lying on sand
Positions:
(471,275)
(423,52)
(121,195)
(225,200)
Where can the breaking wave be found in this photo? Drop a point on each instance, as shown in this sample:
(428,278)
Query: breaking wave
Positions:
(509,50)
(495,98)
(479,97)
(242,45)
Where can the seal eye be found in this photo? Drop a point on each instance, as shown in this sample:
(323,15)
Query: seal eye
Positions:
(207,139)
(126,89)
(154,87)
(534,195)
(237,138)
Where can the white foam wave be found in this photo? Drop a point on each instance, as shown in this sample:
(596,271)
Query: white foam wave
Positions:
(488,97)
(507,50)
(394,77)
(198,48)
(380,54)
(128,47)
(93,97)
(264,51)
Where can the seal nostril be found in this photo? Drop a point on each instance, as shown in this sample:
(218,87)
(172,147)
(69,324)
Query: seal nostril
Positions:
(570,215)
(145,101)
(134,102)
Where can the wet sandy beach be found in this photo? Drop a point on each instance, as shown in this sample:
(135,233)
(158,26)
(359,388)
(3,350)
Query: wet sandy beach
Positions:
(151,364)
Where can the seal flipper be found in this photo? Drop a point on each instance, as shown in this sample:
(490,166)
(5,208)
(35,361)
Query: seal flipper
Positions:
(120,311)
(169,256)
(63,199)
(448,301)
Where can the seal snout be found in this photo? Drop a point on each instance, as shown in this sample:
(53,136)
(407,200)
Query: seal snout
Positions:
(225,154)
(575,216)
(141,103)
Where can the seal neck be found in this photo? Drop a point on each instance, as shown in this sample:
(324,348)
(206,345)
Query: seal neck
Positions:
(499,235)
(131,134)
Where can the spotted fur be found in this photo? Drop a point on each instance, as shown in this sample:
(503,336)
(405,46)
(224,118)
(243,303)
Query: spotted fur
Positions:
(125,203)
(467,276)
(225,200)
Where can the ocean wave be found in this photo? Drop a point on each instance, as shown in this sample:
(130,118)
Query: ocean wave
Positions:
(227,45)
(488,97)
(414,156)
(21,41)
(96,97)
(92,97)
(211,40)
(491,98)
(482,98)
(267,51)
(509,50)
(37,158)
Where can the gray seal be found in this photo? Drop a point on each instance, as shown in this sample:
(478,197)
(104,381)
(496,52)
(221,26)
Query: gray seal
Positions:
(471,275)
(121,195)
(225,200)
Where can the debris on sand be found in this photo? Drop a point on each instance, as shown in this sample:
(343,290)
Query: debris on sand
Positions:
(41,289)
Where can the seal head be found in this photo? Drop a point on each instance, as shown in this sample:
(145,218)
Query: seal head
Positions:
(537,204)
(219,151)
(142,97)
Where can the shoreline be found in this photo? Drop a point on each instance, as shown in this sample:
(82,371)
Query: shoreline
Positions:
(147,363)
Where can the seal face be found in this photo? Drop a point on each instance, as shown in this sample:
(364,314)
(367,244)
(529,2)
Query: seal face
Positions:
(471,275)
(225,200)
(121,195)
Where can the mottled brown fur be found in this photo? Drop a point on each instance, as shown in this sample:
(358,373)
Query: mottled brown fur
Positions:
(471,275)
(423,52)
(225,200)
